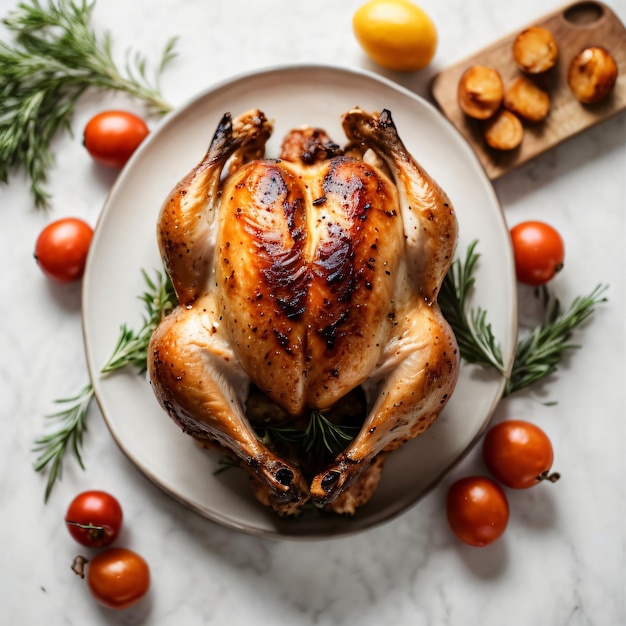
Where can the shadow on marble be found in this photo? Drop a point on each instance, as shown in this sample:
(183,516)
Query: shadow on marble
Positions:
(600,141)
(66,296)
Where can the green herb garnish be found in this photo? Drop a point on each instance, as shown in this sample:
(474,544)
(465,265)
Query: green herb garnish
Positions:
(55,58)
(536,355)
(321,437)
(473,333)
(71,425)
(131,349)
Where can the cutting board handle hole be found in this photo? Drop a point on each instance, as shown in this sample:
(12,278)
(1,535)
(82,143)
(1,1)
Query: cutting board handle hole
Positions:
(584,13)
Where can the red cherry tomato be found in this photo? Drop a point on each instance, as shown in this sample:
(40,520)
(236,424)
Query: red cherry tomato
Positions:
(111,137)
(118,578)
(518,454)
(94,518)
(61,249)
(539,252)
(477,510)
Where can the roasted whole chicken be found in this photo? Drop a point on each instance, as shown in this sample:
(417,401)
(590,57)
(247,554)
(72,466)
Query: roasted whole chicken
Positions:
(309,281)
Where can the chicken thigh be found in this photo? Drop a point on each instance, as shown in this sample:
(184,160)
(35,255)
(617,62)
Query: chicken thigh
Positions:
(306,277)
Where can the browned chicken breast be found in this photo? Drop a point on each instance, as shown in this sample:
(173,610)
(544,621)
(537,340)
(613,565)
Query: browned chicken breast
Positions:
(305,279)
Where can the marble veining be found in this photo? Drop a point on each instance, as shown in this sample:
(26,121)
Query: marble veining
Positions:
(562,559)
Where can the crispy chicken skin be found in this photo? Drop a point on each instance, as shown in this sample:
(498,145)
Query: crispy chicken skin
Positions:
(307,276)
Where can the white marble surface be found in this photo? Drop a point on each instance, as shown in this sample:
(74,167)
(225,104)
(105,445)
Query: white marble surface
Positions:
(562,559)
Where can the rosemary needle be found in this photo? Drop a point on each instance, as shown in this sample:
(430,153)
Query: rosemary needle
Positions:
(321,436)
(131,349)
(54,59)
(474,334)
(538,354)
(69,434)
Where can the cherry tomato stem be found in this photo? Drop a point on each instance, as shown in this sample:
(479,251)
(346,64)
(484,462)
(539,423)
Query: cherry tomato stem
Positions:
(550,477)
(518,454)
(94,518)
(78,565)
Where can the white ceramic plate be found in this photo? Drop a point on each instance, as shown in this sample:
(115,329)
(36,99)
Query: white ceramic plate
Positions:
(125,243)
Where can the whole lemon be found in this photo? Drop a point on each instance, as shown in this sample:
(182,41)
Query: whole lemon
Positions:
(396,34)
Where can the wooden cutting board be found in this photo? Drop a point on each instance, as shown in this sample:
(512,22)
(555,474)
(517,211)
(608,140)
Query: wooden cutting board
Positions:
(574,27)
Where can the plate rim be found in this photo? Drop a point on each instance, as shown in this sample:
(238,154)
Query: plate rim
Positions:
(95,376)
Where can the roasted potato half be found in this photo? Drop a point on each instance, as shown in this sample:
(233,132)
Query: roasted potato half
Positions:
(592,74)
(480,92)
(527,100)
(504,131)
(535,50)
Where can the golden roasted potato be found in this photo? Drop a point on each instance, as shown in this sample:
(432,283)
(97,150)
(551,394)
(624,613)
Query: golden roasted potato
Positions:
(535,50)
(480,92)
(504,131)
(527,100)
(592,74)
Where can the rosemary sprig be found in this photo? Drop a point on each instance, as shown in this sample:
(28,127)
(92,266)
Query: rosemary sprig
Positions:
(473,333)
(321,437)
(131,349)
(536,357)
(52,447)
(538,354)
(132,346)
(55,58)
